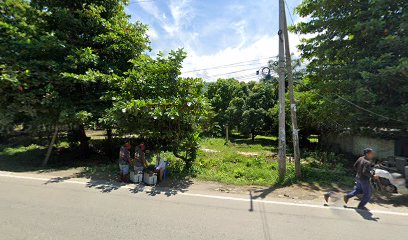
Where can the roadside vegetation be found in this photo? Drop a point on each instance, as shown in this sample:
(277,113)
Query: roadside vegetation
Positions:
(256,164)
(239,162)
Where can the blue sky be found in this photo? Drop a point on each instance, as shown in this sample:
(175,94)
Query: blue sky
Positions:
(215,33)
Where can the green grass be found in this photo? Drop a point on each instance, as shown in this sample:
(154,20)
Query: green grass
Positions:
(21,158)
(24,158)
(256,164)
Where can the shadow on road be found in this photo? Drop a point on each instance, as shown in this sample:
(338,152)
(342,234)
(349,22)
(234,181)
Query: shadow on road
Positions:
(104,187)
(57,180)
(367,215)
(307,191)
(107,182)
(168,188)
(393,200)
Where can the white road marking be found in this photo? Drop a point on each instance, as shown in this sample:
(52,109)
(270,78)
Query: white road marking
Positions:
(10,175)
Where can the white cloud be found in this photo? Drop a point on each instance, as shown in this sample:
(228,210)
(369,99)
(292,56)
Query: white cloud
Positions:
(152,33)
(251,57)
(152,9)
(181,13)
(240,30)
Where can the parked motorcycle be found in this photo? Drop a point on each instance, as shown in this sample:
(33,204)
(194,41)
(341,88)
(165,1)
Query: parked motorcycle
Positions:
(391,182)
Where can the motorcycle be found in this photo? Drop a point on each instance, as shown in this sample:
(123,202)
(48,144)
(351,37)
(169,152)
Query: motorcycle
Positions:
(388,181)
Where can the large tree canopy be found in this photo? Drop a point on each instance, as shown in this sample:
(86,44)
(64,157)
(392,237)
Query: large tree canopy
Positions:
(155,103)
(245,107)
(30,66)
(50,52)
(83,62)
(358,61)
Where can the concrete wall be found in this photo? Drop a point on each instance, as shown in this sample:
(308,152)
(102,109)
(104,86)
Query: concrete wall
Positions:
(355,145)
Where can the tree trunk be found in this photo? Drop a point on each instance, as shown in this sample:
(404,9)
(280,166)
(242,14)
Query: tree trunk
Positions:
(83,141)
(253,135)
(109,143)
(187,160)
(47,156)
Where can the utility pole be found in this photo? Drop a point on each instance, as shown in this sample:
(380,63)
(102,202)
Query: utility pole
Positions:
(295,134)
(282,132)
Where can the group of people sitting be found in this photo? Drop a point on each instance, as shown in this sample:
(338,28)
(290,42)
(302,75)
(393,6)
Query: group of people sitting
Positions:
(139,162)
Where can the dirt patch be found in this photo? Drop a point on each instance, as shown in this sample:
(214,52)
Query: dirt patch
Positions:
(297,191)
(249,154)
(209,150)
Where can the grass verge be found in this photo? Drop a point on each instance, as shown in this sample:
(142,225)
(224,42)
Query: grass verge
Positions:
(256,164)
(238,163)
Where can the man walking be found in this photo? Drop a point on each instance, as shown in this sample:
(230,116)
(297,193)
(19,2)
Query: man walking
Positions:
(363,176)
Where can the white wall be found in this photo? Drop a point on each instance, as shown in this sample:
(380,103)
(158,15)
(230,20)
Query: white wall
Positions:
(355,145)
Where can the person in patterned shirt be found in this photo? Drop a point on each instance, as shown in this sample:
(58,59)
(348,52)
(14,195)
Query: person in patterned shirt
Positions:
(124,162)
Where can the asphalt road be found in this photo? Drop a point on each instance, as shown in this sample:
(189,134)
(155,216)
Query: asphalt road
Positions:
(37,209)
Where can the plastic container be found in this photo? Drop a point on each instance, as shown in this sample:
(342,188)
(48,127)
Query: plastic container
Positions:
(136,177)
(150,178)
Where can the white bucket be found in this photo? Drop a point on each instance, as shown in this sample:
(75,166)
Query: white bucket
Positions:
(150,179)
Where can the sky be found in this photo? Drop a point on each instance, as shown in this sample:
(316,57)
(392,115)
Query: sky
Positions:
(222,38)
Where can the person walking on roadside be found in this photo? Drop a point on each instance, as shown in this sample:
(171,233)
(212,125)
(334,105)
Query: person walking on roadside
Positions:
(363,176)
(124,162)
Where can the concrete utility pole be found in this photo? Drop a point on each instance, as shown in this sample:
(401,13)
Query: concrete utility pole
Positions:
(295,135)
(282,132)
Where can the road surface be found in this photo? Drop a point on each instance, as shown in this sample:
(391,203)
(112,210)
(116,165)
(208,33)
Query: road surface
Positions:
(36,208)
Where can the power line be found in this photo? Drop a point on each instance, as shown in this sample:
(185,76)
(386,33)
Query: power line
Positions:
(369,111)
(291,18)
(289,11)
(243,70)
(236,64)
(221,67)
(354,104)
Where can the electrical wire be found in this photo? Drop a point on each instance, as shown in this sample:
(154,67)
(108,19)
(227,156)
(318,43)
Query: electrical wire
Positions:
(237,64)
(221,67)
(355,105)
(289,11)
(291,18)
(229,73)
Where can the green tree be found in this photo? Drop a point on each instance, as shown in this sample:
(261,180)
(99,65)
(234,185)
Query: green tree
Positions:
(156,104)
(29,66)
(99,41)
(358,62)
(245,107)
(256,116)
(221,93)
(56,55)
